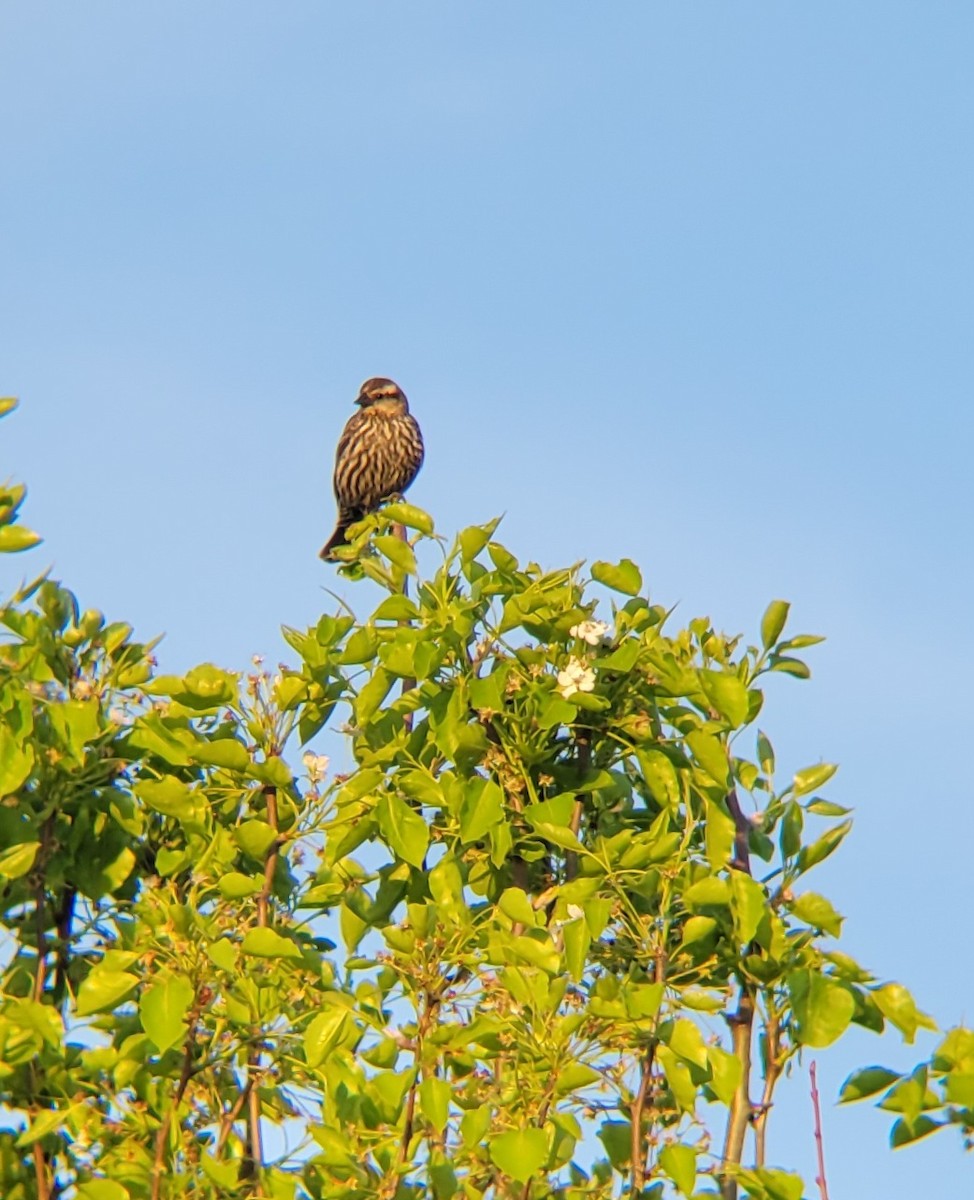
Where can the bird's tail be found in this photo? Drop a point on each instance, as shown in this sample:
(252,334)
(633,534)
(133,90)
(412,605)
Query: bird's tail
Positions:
(338,537)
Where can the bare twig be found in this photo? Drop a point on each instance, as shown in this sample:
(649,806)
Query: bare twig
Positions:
(226,1124)
(773,1066)
(638,1149)
(823,1187)
(739,1118)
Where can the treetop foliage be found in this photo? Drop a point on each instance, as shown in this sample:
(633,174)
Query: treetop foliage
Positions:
(553,934)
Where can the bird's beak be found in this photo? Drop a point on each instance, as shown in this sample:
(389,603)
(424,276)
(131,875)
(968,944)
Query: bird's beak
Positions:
(361,398)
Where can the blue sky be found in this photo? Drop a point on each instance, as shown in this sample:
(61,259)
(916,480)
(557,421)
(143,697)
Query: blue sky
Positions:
(688,283)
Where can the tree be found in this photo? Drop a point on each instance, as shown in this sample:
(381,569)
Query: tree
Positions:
(530,946)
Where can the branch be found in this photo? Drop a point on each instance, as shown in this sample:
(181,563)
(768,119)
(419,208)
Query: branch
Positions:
(638,1150)
(773,1066)
(253,1155)
(742,1024)
(740,1111)
(823,1187)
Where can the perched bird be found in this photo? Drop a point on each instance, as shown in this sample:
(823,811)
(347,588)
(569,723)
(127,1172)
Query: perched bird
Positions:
(379,455)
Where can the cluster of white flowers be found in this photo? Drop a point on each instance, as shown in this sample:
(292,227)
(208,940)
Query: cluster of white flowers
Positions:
(316,765)
(576,677)
(590,631)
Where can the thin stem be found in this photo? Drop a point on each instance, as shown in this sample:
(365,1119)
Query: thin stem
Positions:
(226,1125)
(773,1066)
(823,1187)
(740,1110)
(638,1151)
(742,1025)
(253,1156)
(399,531)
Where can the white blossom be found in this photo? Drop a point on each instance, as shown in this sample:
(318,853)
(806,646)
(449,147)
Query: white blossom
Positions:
(576,677)
(316,765)
(590,631)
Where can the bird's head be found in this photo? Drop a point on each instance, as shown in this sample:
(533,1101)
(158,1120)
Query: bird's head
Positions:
(383,394)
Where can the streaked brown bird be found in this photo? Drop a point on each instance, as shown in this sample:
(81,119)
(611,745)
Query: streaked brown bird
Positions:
(379,455)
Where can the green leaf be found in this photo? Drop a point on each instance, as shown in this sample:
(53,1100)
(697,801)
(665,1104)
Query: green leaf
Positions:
(810,856)
(622,577)
(680,1163)
(163,1009)
(791,666)
(405,831)
(398,552)
(773,622)
(14,538)
(822,1006)
(812,778)
(710,753)
(908,1130)
(725,1073)
(660,776)
(434,1102)
(410,516)
(360,647)
(481,808)
(898,1006)
(325,1033)
(254,838)
(237,886)
(686,1041)
(474,1125)
(221,752)
(268,943)
(16,762)
(866,1082)
(515,904)
(103,990)
(101,1189)
(519,1153)
(727,694)
(816,911)
(17,860)
(749,905)
(577,939)
(765,753)
(719,835)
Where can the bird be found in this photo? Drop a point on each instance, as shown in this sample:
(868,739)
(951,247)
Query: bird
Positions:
(379,455)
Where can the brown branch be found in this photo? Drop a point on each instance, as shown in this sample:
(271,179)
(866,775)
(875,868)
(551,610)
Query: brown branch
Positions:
(773,1066)
(742,1024)
(638,1152)
(162,1136)
(63,918)
(740,1110)
(226,1124)
(823,1187)
(253,1155)
(42,1180)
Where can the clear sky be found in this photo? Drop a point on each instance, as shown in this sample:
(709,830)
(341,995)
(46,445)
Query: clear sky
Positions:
(692,283)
